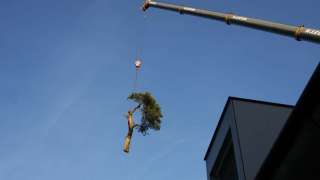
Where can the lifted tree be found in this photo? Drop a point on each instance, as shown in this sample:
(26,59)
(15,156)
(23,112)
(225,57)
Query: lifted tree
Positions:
(150,116)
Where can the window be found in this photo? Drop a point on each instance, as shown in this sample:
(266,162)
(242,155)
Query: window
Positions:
(225,165)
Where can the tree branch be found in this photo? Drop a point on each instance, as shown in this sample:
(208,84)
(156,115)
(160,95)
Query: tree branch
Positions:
(136,125)
(136,108)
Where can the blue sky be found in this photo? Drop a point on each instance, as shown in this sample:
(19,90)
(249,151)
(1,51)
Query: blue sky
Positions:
(66,69)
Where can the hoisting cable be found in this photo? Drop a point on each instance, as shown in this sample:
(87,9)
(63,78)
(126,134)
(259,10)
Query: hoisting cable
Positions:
(137,64)
(140,42)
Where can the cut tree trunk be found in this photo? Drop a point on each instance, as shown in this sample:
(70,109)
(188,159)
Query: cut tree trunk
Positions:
(127,140)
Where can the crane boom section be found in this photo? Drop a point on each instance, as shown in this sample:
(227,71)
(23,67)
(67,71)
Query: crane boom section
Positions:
(298,32)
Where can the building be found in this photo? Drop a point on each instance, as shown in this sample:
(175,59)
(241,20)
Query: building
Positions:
(263,140)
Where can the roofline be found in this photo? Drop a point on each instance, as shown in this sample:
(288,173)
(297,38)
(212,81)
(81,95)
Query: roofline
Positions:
(261,102)
(230,98)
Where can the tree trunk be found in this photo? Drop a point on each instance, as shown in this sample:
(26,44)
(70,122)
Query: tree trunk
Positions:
(127,140)
(126,145)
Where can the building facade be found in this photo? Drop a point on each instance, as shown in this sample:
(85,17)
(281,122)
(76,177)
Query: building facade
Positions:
(243,138)
(256,140)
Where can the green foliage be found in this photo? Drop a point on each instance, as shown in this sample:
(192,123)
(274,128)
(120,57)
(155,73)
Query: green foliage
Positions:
(150,110)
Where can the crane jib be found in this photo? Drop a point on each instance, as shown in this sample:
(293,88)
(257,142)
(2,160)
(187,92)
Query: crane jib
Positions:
(298,32)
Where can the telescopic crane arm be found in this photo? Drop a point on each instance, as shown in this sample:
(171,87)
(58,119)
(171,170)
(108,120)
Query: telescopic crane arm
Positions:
(298,32)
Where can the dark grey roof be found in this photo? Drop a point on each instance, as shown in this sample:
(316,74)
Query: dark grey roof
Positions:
(240,99)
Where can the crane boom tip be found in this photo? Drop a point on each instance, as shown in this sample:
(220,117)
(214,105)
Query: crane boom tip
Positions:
(145,5)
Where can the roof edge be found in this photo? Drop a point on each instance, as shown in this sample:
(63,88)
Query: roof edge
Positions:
(262,102)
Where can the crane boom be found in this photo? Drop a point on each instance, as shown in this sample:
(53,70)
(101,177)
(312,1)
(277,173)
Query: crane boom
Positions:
(298,32)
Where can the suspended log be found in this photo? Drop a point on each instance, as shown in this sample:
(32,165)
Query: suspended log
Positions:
(127,141)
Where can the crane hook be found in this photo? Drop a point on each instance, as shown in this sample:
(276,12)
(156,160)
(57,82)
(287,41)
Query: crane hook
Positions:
(138,64)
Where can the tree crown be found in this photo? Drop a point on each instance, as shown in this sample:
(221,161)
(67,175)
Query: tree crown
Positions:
(150,110)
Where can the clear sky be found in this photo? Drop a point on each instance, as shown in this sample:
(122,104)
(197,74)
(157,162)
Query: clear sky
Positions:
(66,68)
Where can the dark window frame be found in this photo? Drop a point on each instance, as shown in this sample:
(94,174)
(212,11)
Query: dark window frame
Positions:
(225,159)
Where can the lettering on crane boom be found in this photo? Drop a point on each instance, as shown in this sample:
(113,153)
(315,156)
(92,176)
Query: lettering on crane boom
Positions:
(239,18)
(312,31)
(152,2)
(189,9)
